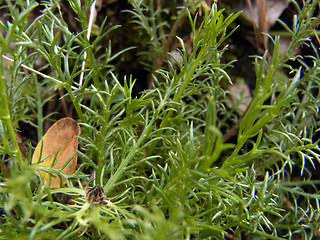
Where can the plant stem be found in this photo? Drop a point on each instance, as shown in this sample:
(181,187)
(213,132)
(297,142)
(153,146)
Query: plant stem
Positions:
(5,114)
(122,167)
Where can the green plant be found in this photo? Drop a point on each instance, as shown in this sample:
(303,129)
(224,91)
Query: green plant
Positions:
(160,156)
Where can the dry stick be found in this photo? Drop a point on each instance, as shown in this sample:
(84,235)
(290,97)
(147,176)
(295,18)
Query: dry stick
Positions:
(263,22)
(37,72)
(254,23)
(92,17)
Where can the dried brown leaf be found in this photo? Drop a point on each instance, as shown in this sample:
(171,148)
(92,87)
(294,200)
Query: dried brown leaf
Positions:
(60,141)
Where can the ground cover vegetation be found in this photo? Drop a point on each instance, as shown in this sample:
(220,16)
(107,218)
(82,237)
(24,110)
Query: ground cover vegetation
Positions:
(173,150)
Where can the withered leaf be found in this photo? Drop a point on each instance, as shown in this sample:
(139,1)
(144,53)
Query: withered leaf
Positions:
(61,142)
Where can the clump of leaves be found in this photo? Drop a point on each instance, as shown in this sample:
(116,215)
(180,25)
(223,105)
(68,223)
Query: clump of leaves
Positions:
(160,156)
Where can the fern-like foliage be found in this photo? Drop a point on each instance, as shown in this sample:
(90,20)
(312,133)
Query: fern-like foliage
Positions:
(160,156)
